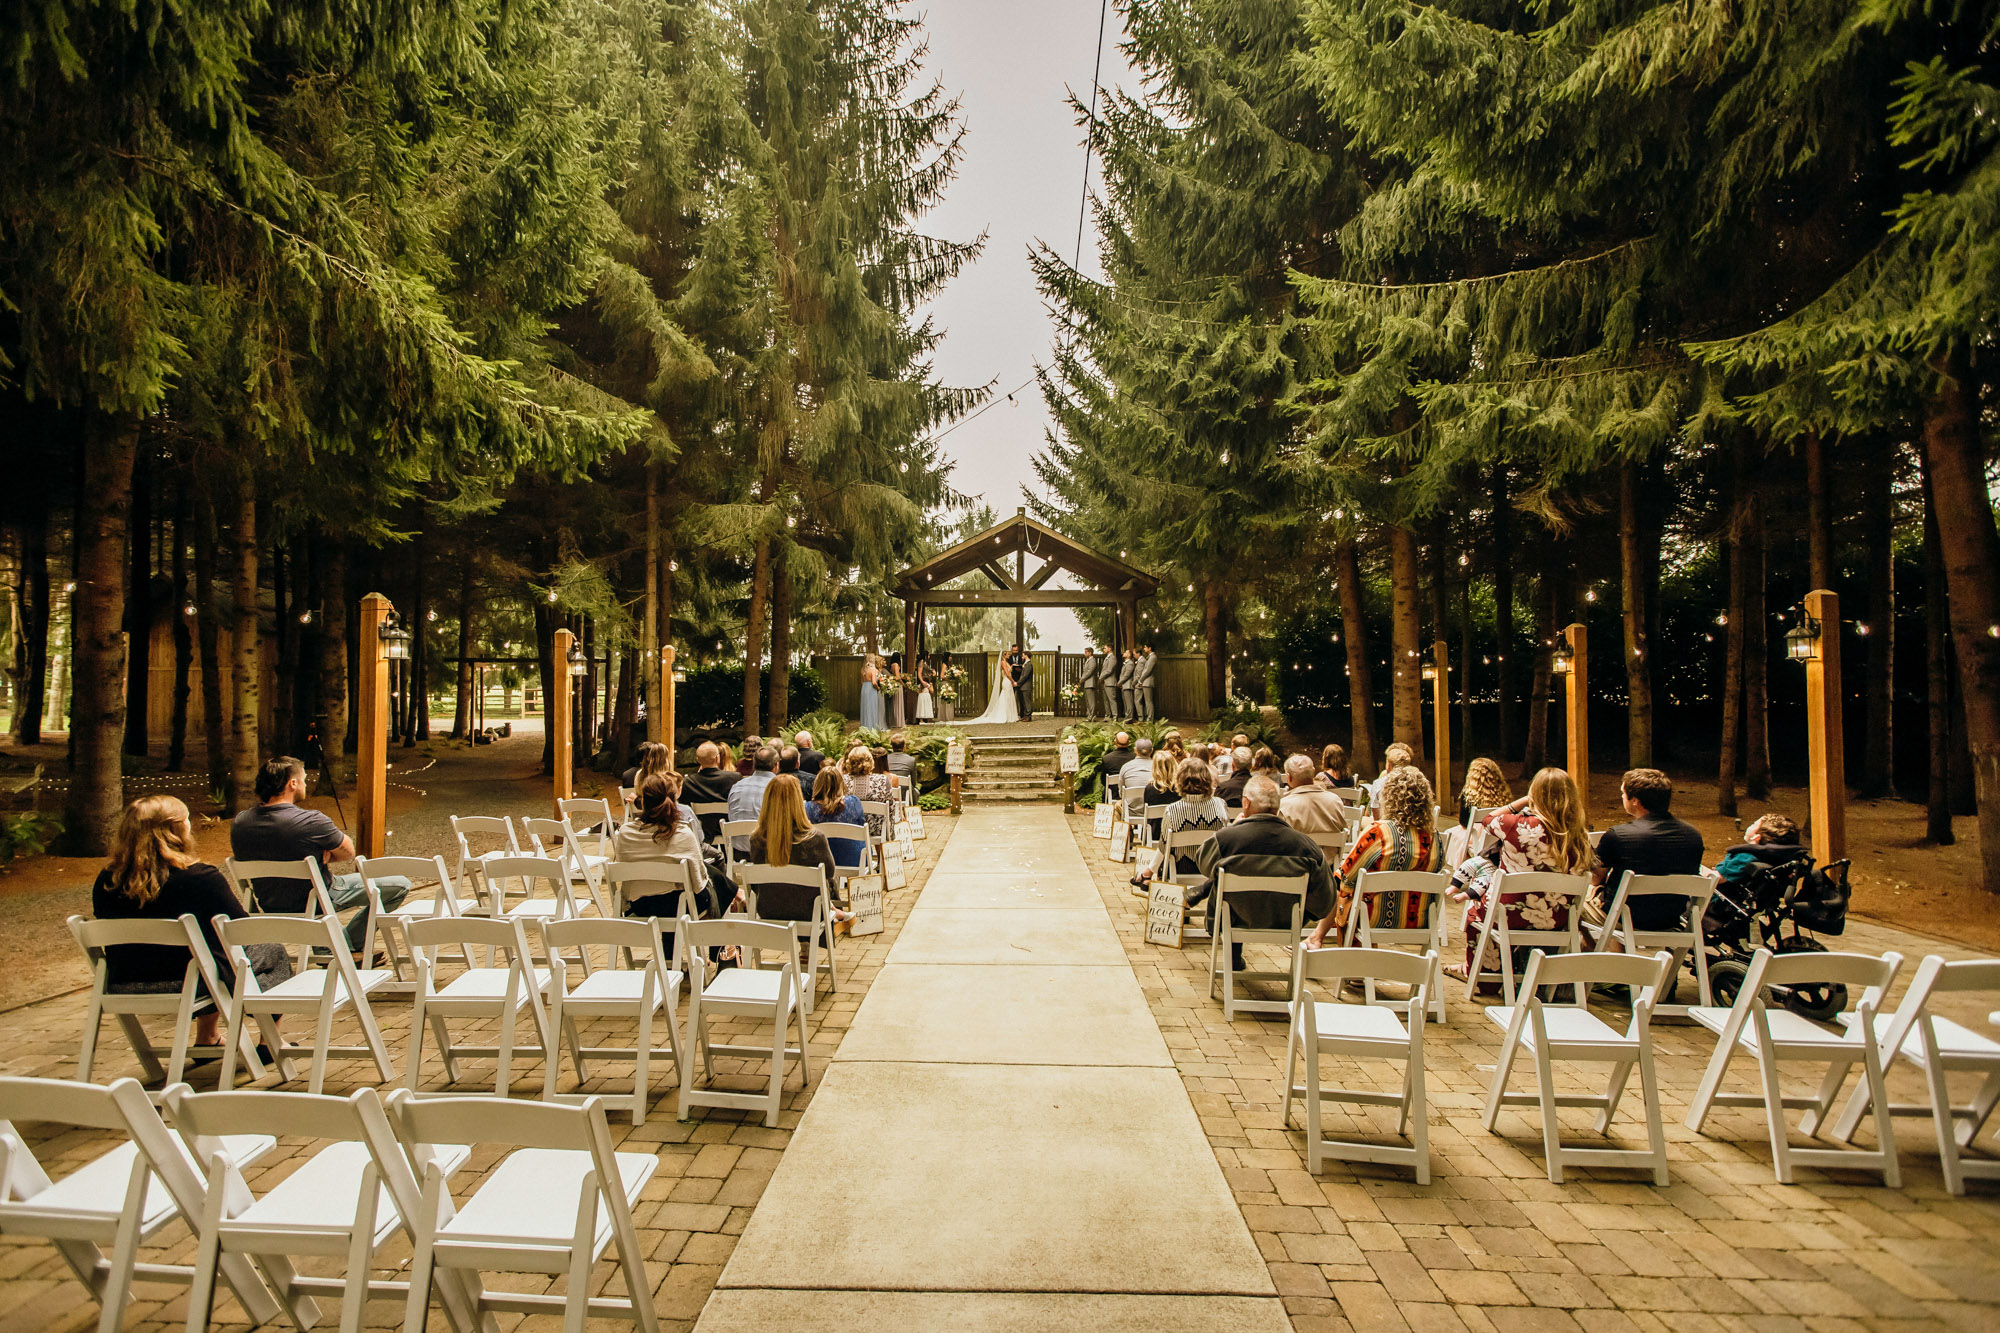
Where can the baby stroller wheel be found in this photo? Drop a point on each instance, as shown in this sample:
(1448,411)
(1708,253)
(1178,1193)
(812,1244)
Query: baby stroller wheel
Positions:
(1725,980)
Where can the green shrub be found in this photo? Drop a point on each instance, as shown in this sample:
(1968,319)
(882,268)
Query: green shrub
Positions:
(712,695)
(27,833)
(828,728)
(934,800)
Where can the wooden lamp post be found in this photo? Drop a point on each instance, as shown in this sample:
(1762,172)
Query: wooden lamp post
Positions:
(666,696)
(1438,672)
(382,638)
(1572,663)
(568,663)
(1815,641)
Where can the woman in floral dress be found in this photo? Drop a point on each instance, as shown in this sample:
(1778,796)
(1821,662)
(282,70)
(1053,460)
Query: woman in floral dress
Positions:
(1544,831)
(1404,838)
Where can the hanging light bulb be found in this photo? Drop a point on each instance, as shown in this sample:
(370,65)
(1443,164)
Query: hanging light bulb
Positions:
(188,610)
(1722,619)
(791,521)
(1225,458)
(673,566)
(1464,560)
(1861,628)
(305,617)
(552,594)
(1590,596)
(69,587)
(431,616)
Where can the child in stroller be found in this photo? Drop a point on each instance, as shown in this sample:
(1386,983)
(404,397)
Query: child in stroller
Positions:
(1769,896)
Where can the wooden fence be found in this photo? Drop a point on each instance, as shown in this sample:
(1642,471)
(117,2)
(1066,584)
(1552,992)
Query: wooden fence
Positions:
(1180,684)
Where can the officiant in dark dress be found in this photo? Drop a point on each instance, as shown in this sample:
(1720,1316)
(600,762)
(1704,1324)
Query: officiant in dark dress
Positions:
(1021,667)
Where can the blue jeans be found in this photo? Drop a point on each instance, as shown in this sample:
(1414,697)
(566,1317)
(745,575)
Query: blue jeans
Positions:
(347,891)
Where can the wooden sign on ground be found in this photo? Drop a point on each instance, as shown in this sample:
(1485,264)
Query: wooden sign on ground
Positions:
(1102,828)
(865,899)
(1166,910)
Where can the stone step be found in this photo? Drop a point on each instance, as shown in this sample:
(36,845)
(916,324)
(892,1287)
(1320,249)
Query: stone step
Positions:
(972,797)
(1011,761)
(1024,783)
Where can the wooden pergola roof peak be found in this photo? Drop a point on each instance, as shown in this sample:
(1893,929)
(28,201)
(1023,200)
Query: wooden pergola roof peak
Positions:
(982,554)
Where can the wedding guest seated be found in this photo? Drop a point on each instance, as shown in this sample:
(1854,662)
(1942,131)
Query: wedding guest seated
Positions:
(1485,789)
(1393,758)
(865,782)
(748,763)
(1230,789)
(832,803)
(786,837)
(1115,758)
(1132,779)
(746,798)
(1333,767)
(1262,844)
(1652,842)
(1404,838)
(902,764)
(1174,745)
(1543,831)
(1771,840)
(278,828)
(1307,806)
(650,757)
(1162,787)
(810,760)
(709,785)
(1197,808)
(155,872)
(788,759)
(660,830)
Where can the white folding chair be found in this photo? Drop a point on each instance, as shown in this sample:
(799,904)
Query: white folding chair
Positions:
(519,876)
(557,840)
(321,991)
(650,983)
(1185,842)
(347,1200)
(243,876)
(732,829)
(1428,938)
(468,830)
(1226,934)
(553,1205)
(201,991)
(1360,1032)
(836,835)
(703,810)
(1776,1037)
(771,994)
(391,926)
(1149,819)
(1683,942)
(1564,895)
(494,993)
(590,818)
(121,1199)
(1571,1033)
(814,933)
(1938,1047)
(881,817)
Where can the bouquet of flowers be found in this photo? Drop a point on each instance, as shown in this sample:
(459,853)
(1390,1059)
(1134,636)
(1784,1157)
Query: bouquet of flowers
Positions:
(946,691)
(1072,693)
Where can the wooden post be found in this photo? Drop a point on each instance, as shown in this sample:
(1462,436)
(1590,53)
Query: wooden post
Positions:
(371,759)
(1441,717)
(1826,745)
(1579,714)
(556,711)
(957,782)
(666,732)
(910,661)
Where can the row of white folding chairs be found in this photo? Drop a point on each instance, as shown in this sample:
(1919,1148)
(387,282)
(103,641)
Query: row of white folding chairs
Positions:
(553,1205)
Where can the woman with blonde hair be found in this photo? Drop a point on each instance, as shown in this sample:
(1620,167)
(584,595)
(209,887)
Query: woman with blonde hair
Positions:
(1485,789)
(1543,831)
(155,872)
(1163,785)
(1403,838)
(785,837)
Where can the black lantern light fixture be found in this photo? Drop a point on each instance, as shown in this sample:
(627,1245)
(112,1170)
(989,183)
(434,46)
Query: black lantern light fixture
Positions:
(1563,660)
(578,663)
(1802,640)
(395,639)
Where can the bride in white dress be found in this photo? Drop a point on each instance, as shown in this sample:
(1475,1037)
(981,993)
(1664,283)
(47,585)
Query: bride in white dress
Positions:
(1001,706)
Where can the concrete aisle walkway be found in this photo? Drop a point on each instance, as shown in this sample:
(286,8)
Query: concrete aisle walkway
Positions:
(1002,1141)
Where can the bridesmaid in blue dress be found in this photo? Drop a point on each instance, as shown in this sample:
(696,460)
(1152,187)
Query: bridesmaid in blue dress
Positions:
(871,694)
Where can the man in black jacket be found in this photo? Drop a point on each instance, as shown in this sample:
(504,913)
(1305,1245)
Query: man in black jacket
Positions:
(709,785)
(1119,755)
(1261,843)
(809,758)
(1651,842)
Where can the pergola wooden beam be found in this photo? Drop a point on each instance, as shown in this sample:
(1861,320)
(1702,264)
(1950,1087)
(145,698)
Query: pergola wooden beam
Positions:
(1021,597)
(1001,578)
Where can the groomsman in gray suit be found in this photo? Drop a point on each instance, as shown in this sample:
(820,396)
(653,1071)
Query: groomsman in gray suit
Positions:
(1086,679)
(1144,679)
(1128,685)
(1107,681)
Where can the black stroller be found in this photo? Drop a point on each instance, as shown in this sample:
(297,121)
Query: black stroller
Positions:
(1773,908)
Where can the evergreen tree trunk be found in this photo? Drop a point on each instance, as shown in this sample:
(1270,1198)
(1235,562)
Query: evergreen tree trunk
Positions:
(462,714)
(1215,645)
(663,637)
(1503,611)
(551,675)
(753,638)
(333,656)
(420,652)
(208,625)
(1878,778)
(246,656)
(1756,658)
(31,687)
(1937,673)
(1819,510)
(1535,749)
(1633,533)
(139,607)
(1463,680)
(1733,636)
(1406,690)
(284,632)
(782,593)
(625,711)
(1970,546)
(183,638)
(1361,750)
(97,652)
(649,619)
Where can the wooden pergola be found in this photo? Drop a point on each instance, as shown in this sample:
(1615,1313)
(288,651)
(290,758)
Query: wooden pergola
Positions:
(1001,555)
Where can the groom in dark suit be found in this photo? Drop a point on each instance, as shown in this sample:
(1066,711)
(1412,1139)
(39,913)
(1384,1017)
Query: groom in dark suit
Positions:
(1023,668)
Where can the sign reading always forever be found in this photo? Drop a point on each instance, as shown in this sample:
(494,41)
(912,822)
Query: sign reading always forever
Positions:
(1070,761)
(954,758)
(865,897)
(1166,909)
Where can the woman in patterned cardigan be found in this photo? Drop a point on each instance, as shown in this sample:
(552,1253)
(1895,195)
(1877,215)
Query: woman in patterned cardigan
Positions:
(1544,831)
(1404,838)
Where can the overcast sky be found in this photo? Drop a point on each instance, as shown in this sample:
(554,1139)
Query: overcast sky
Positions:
(1012,63)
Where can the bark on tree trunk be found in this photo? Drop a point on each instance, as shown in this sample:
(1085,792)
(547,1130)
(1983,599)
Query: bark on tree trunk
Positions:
(1733,637)
(1354,629)
(663,637)
(781,642)
(139,606)
(1462,680)
(1819,510)
(1878,778)
(1756,659)
(183,638)
(1633,532)
(97,650)
(550,675)
(246,656)
(31,689)
(1406,688)
(649,618)
(1503,611)
(1971,549)
(284,627)
(1535,750)
(208,624)
(333,657)
(461,715)
(1215,645)
(753,638)
(1937,672)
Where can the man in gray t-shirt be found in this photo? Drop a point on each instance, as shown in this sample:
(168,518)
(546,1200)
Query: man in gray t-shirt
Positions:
(278,828)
